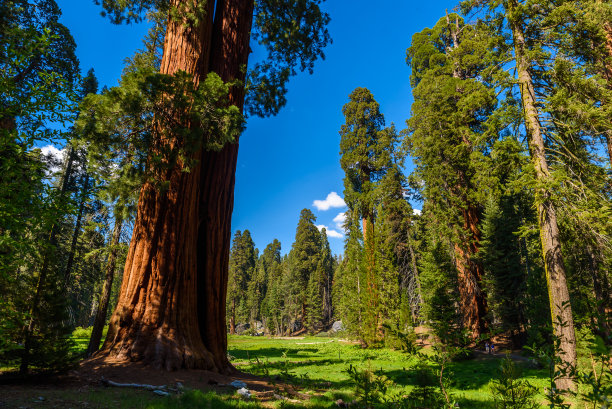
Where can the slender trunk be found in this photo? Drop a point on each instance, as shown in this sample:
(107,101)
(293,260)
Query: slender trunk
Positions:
(77,227)
(563,322)
(100,320)
(230,45)
(48,255)
(600,298)
(416,299)
(232,323)
(156,320)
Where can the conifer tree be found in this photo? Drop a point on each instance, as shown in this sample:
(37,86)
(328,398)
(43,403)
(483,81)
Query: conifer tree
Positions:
(446,127)
(243,262)
(524,34)
(305,256)
(365,151)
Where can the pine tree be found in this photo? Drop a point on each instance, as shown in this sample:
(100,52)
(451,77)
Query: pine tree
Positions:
(305,255)
(243,262)
(365,147)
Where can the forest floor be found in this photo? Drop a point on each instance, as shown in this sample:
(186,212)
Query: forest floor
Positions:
(305,372)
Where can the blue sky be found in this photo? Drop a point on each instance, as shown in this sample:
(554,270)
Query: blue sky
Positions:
(287,162)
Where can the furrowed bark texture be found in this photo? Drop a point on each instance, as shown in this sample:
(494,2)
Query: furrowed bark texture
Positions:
(473,302)
(549,232)
(100,319)
(156,319)
(229,56)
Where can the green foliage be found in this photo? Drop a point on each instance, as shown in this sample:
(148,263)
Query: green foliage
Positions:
(120,127)
(511,392)
(370,387)
(243,259)
(438,279)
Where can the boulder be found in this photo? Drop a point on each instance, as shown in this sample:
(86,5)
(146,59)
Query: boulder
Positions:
(337,326)
(242,328)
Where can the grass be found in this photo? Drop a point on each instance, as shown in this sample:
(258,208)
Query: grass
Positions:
(317,366)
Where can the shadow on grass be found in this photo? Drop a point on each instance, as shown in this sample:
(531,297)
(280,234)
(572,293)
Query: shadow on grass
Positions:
(291,352)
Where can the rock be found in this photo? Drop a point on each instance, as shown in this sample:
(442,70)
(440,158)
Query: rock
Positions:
(337,326)
(238,384)
(294,326)
(244,392)
(242,328)
(161,393)
(341,404)
(258,325)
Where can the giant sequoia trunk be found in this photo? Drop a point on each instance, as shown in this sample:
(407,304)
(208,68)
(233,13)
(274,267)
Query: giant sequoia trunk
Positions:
(230,53)
(473,304)
(156,319)
(563,322)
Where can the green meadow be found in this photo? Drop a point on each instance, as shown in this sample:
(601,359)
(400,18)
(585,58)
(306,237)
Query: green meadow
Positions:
(312,372)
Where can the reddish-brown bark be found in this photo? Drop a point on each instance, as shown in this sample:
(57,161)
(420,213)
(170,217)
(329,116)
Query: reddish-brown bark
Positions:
(473,304)
(230,53)
(156,318)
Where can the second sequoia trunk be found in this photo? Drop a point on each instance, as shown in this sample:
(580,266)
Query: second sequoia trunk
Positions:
(230,45)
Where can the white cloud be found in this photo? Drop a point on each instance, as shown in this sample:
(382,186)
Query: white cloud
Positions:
(53,151)
(339,220)
(330,232)
(332,200)
(56,154)
(416,211)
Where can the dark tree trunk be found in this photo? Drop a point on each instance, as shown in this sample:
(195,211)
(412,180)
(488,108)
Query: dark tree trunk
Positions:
(156,320)
(600,296)
(562,319)
(100,320)
(230,53)
(77,227)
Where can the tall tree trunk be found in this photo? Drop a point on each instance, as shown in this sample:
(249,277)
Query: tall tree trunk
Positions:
(232,27)
(563,322)
(156,318)
(473,302)
(100,320)
(77,227)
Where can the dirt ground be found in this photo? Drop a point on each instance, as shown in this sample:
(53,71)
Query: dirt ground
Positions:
(83,386)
